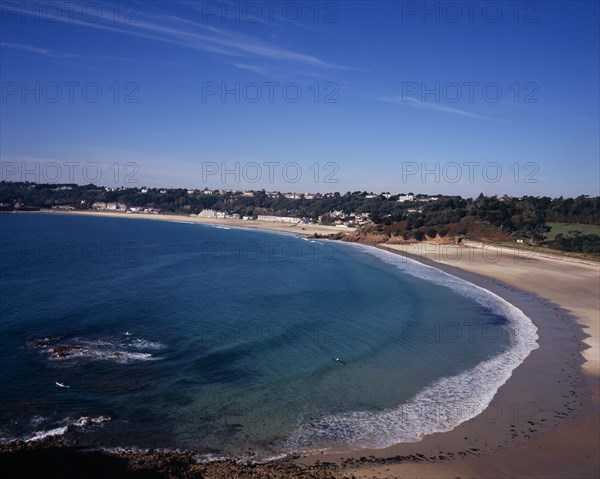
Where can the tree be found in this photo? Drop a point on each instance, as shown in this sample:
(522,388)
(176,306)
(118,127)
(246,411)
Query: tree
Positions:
(418,235)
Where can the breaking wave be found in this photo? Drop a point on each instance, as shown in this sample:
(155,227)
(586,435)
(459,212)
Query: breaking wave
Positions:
(82,422)
(443,405)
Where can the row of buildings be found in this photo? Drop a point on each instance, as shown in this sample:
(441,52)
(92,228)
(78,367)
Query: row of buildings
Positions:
(214,214)
(339,217)
(122,208)
(289,195)
(342,219)
(102,206)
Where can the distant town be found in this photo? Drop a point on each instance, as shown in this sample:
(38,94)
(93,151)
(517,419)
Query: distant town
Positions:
(219,211)
(407,216)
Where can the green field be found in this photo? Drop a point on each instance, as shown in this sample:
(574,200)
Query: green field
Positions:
(564,228)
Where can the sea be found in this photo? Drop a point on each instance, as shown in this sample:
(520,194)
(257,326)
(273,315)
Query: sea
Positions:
(229,342)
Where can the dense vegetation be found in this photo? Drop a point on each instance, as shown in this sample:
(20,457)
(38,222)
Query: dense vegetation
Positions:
(523,218)
(576,242)
(508,217)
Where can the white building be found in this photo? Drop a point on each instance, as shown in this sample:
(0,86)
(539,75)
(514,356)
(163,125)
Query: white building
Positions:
(100,205)
(403,198)
(115,207)
(213,214)
(278,219)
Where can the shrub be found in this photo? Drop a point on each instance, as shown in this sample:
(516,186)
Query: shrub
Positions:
(418,235)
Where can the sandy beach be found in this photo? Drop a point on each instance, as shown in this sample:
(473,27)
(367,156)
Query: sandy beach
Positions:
(300,229)
(544,421)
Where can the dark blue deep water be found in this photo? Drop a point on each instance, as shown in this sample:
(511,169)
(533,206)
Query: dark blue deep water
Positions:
(218,340)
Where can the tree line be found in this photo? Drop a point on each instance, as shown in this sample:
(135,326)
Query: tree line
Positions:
(524,217)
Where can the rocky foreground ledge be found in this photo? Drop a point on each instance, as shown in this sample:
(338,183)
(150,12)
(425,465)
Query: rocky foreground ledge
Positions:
(55,458)
(51,458)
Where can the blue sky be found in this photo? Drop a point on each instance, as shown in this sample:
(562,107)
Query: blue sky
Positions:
(431,97)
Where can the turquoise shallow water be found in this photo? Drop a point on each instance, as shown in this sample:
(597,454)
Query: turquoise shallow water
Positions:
(178,335)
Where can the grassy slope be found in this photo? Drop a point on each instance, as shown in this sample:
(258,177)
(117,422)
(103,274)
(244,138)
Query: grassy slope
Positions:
(564,228)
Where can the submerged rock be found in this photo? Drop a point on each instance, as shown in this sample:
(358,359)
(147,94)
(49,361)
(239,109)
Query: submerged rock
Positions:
(62,351)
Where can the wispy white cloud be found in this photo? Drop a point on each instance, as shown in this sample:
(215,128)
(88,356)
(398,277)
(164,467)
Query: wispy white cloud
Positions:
(65,55)
(185,33)
(36,50)
(432,106)
(253,68)
(227,42)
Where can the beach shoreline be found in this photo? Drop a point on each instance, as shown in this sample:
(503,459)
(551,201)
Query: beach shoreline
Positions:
(543,420)
(294,228)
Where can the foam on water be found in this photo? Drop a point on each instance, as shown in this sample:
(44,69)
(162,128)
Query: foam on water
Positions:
(210,457)
(91,421)
(207,458)
(145,344)
(82,422)
(39,435)
(37,420)
(443,405)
